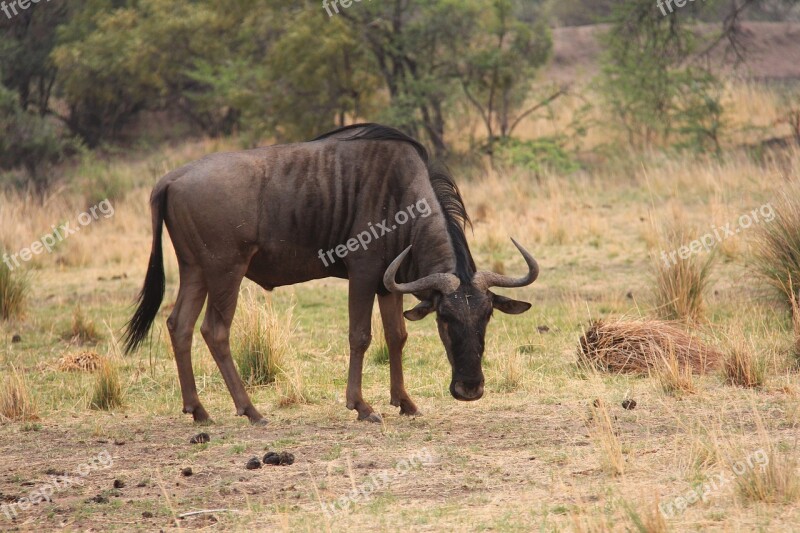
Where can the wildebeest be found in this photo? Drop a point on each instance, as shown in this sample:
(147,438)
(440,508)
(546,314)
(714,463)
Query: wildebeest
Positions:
(268,213)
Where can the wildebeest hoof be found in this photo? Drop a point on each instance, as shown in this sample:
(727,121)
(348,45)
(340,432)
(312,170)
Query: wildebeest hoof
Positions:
(199,414)
(410,412)
(371,417)
(259,422)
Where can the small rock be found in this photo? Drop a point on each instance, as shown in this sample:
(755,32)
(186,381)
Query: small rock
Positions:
(253,464)
(147,514)
(186,472)
(16,339)
(629,295)
(99,499)
(628,404)
(543,329)
(119,484)
(200,438)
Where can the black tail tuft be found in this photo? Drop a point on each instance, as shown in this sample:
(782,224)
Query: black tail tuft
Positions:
(152,293)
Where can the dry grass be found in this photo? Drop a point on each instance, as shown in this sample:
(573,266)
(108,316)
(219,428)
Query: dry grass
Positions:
(772,478)
(604,436)
(777,246)
(16,400)
(674,375)
(14,288)
(648,520)
(79,362)
(260,338)
(291,387)
(379,349)
(742,365)
(107,392)
(640,346)
(681,280)
(83,330)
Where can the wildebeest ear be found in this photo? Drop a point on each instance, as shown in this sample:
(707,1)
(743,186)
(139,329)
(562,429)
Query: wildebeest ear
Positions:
(420,311)
(509,306)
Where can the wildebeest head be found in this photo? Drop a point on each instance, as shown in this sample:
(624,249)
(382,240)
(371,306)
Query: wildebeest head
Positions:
(463,311)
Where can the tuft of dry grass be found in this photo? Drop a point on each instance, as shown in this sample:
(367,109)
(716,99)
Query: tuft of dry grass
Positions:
(260,338)
(380,350)
(674,375)
(641,345)
(14,289)
(291,388)
(741,365)
(603,434)
(682,274)
(107,392)
(83,329)
(648,520)
(776,246)
(772,477)
(79,362)
(16,400)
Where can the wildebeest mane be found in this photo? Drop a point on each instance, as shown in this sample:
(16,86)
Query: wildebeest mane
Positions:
(445,188)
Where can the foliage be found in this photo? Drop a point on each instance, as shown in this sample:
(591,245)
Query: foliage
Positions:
(544,153)
(649,83)
(14,288)
(29,141)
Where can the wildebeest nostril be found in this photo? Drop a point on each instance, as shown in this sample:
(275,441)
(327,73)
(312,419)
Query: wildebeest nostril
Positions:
(466,392)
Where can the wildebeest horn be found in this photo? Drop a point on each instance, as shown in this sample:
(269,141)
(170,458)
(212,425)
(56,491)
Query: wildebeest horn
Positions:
(484,279)
(444,283)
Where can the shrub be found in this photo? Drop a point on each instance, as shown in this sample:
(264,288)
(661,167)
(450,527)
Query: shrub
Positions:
(742,366)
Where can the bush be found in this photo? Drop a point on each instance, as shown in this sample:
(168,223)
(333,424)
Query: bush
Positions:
(29,141)
(538,155)
(107,393)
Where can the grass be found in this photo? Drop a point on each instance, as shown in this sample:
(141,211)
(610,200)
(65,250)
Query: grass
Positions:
(769,476)
(260,339)
(682,274)
(674,375)
(742,366)
(522,458)
(14,289)
(16,399)
(776,255)
(83,330)
(107,393)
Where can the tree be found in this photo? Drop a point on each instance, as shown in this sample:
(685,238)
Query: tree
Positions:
(498,70)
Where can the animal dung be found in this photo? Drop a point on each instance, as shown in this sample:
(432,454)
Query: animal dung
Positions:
(253,464)
(281,459)
(15,339)
(80,362)
(629,404)
(186,472)
(200,438)
(639,346)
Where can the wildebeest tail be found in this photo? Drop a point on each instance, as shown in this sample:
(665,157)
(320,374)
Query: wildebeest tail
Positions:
(152,292)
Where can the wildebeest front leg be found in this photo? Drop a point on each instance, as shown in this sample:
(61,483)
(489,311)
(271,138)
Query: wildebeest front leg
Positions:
(394,328)
(361,300)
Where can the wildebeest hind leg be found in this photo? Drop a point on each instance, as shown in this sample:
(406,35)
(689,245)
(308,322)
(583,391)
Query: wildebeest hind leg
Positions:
(394,328)
(191,295)
(223,293)
(361,300)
